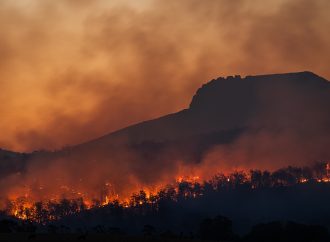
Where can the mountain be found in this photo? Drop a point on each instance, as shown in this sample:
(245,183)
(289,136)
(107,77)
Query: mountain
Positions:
(231,103)
(223,109)
(269,119)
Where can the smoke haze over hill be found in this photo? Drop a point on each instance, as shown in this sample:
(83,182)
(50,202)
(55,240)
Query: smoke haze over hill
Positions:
(234,123)
(71,71)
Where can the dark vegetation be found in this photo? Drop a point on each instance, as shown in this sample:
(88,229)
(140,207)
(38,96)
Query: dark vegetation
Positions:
(210,229)
(292,196)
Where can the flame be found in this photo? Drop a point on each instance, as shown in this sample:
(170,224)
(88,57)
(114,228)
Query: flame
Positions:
(24,205)
(192,179)
(303,180)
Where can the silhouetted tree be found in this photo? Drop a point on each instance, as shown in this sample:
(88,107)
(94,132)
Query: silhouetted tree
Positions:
(238,178)
(138,199)
(307,173)
(320,169)
(220,181)
(256,178)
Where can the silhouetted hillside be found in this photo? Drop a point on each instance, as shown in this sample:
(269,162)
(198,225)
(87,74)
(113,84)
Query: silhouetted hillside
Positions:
(292,107)
(11,162)
(233,102)
(267,121)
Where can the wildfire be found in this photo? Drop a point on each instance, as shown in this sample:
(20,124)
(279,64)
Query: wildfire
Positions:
(192,179)
(26,208)
(19,210)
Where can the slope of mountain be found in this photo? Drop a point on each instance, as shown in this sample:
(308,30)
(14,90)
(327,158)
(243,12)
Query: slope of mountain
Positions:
(224,108)
(232,103)
(11,162)
(291,110)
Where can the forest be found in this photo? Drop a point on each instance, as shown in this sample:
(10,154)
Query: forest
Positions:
(239,205)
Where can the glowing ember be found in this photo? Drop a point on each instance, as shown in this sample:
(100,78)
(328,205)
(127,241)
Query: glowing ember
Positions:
(25,207)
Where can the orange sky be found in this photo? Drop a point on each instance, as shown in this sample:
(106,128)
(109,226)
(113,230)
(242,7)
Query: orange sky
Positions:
(73,70)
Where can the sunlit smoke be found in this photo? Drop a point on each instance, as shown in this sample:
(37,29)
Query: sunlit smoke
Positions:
(75,70)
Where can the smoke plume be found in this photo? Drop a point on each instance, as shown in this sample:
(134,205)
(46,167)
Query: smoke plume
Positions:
(75,70)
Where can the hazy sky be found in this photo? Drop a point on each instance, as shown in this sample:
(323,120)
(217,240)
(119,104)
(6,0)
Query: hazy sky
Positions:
(72,70)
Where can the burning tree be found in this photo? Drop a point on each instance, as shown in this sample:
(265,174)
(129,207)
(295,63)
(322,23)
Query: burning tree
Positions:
(183,189)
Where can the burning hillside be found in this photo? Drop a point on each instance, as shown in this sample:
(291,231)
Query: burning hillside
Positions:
(257,122)
(183,188)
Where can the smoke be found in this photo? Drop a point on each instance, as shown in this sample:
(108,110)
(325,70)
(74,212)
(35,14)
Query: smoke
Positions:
(285,120)
(75,70)
(72,71)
